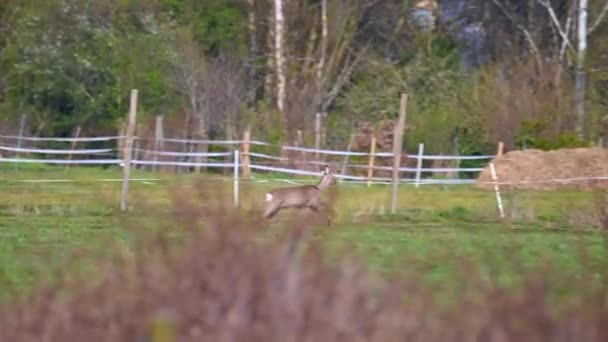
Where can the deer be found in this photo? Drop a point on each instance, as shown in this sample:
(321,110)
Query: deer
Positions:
(300,197)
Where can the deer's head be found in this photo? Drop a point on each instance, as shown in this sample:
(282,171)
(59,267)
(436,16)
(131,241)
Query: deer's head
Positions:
(328,178)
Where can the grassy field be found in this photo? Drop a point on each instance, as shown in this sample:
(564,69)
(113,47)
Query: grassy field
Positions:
(47,226)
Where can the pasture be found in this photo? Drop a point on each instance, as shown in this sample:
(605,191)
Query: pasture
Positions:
(437,234)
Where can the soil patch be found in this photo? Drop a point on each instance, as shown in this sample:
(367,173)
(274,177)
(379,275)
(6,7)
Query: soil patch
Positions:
(547,170)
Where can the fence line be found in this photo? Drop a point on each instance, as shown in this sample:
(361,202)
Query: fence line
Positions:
(56,151)
(253,142)
(81,139)
(257,164)
(184,154)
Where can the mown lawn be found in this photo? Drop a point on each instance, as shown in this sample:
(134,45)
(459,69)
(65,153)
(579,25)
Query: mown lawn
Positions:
(46,226)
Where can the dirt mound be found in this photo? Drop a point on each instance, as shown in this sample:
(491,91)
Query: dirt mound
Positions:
(536,169)
(384,135)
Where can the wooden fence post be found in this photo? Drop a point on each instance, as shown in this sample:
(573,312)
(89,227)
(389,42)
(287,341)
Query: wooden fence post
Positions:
(122,133)
(128,150)
(456,162)
(497,190)
(76,135)
(245,154)
(372,156)
(21,129)
(236,178)
(500,149)
(158,139)
(397,142)
(300,143)
(317,135)
(419,163)
(345,161)
(137,145)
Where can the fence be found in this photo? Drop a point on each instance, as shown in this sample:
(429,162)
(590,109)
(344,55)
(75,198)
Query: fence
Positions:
(246,155)
(237,156)
(256,161)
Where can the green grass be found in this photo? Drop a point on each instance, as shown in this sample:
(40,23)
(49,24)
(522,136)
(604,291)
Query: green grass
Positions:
(436,228)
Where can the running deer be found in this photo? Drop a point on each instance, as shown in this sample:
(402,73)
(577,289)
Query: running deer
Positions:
(304,196)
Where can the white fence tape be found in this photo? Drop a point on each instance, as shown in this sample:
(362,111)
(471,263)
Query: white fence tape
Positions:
(553,180)
(175,163)
(55,151)
(190,163)
(77,180)
(15,137)
(266,156)
(62,161)
(335,152)
(430,157)
(185,154)
(208,142)
(307,173)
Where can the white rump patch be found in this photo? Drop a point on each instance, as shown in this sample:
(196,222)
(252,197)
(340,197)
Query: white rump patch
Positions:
(268,197)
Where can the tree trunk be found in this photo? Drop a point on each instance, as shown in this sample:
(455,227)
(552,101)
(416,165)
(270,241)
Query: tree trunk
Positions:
(203,135)
(580,68)
(279,24)
(321,66)
(253,53)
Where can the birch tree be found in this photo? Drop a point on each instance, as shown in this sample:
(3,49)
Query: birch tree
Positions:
(321,65)
(580,68)
(279,31)
(253,51)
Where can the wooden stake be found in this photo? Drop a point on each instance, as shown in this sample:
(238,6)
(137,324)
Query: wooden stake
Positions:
(372,157)
(397,142)
(317,135)
(500,149)
(236,178)
(158,139)
(419,164)
(345,161)
(128,150)
(497,190)
(21,129)
(245,155)
(122,132)
(76,135)
(136,145)
(300,143)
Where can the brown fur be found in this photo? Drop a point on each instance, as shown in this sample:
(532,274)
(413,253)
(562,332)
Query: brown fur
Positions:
(304,196)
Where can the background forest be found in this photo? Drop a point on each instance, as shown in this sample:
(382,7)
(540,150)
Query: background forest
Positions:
(531,73)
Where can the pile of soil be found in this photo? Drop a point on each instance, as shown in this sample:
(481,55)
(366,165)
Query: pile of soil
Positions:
(362,143)
(384,135)
(540,167)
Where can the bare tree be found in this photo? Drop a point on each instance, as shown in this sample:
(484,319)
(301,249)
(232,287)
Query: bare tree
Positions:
(189,71)
(568,21)
(225,95)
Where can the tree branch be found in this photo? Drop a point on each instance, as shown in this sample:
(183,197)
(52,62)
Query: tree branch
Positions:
(533,46)
(557,24)
(599,19)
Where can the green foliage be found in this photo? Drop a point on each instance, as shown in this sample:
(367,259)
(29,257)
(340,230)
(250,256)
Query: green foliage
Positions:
(533,135)
(217,25)
(438,101)
(68,66)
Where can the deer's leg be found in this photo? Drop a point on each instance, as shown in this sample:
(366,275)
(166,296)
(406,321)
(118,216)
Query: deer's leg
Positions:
(272,208)
(329,211)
